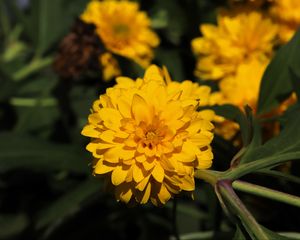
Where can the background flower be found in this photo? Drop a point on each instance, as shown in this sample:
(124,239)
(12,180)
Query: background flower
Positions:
(235,40)
(123,28)
(286,14)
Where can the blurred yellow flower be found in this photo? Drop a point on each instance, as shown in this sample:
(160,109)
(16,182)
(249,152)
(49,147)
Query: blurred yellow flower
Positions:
(287,14)
(123,29)
(110,66)
(236,40)
(148,141)
(243,88)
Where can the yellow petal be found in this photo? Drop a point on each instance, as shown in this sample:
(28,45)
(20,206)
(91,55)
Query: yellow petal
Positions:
(158,172)
(140,109)
(102,168)
(89,131)
(108,136)
(148,165)
(141,158)
(201,139)
(146,194)
(173,111)
(187,154)
(126,195)
(124,108)
(94,119)
(188,183)
(204,159)
(123,192)
(137,173)
(164,195)
(111,118)
(112,155)
(153,73)
(141,186)
(118,175)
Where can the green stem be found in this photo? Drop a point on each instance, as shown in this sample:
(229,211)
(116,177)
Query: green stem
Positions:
(208,176)
(35,65)
(266,192)
(4,20)
(237,207)
(32,102)
(259,164)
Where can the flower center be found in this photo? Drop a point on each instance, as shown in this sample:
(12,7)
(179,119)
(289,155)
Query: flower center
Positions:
(121,29)
(152,138)
(150,135)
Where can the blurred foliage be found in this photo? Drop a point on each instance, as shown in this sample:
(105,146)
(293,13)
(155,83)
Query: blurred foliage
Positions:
(46,187)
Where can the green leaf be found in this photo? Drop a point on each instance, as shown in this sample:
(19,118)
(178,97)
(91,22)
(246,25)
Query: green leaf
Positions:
(175,19)
(275,236)
(45,23)
(239,235)
(276,82)
(12,225)
(172,60)
(255,143)
(282,148)
(287,141)
(295,81)
(272,235)
(235,114)
(68,204)
(21,151)
(7,86)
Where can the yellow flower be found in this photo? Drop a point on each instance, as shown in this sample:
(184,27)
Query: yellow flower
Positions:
(148,141)
(110,66)
(243,88)
(235,40)
(240,90)
(287,14)
(123,29)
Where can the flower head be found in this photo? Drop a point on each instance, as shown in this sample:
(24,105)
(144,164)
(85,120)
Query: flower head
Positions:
(146,140)
(235,40)
(287,14)
(123,29)
(243,88)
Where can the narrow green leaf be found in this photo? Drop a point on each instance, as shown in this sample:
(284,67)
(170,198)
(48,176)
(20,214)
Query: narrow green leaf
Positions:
(276,82)
(287,141)
(12,225)
(45,25)
(68,204)
(239,235)
(235,114)
(21,151)
(255,143)
(173,62)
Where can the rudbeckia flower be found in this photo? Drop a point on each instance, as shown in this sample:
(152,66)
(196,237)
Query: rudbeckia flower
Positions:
(147,140)
(123,29)
(236,40)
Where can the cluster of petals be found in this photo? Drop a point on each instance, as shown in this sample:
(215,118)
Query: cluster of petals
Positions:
(235,40)
(123,29)
(286,14)
(147,137)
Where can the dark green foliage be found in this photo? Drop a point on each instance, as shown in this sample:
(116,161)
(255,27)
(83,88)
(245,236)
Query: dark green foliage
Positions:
(47,190)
